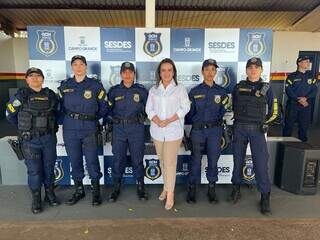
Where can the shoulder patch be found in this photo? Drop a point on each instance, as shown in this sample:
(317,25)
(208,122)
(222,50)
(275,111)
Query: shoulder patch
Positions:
(101,94)
(16,103)
(11,108)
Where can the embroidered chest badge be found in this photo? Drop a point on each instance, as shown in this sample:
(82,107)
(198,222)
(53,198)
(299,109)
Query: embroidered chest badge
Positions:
(87,94)
(136,97)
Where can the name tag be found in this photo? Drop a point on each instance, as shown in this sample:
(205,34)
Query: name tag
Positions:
(119,98)
(199,96)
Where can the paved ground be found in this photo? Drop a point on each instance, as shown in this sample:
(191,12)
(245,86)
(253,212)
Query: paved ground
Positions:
(15,205)
(156,229)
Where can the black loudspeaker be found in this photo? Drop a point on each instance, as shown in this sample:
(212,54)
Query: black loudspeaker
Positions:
(300,168)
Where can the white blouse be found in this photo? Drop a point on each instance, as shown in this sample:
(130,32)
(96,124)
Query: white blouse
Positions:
(165,102)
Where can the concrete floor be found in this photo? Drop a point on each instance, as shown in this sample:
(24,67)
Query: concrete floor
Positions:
(15,205)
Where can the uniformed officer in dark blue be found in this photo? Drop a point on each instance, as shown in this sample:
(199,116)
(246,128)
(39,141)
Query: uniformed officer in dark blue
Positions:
(301,89)
(254,109)
(208,105)
(83,101)
(127,102)
(35,110)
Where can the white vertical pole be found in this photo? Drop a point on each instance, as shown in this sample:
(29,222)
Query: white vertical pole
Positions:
(150,13)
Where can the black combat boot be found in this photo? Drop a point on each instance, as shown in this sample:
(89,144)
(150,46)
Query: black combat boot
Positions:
(50,197)
(212,196)
(78,194)
(96,196)
(235,194)
(265,204)
(115,190)
(191,194)
(36,206)
(142,195)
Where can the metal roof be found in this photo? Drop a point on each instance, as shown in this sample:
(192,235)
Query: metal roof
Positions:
(287,15)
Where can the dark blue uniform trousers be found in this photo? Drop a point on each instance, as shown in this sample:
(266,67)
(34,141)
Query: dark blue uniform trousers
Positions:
(302,115)
(40,157)
(259,152)
(124,136)
(79,143)
(210,140)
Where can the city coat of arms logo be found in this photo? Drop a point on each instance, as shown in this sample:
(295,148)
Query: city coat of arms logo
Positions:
(222,77)
(114,77)
(46,42)
(153,170)
(256,45)
(247,170)
(58,171)
(152,45)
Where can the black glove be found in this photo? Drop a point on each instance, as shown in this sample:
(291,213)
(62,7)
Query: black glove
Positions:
(108,130)
(264,128)
(186,141)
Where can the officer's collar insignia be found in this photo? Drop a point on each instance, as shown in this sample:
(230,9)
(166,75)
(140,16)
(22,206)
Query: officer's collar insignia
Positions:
(199,96)
(309,81)
(136,97)
(16,103)
(119,98)
(87,94)
(67,90)
(153,170)
(217,98)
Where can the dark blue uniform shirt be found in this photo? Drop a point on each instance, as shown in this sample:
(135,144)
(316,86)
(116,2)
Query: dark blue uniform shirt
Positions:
(208,104)
(126,103)
(300,84)
(87,97)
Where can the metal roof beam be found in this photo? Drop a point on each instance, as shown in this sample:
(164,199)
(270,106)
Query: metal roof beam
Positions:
(72,7)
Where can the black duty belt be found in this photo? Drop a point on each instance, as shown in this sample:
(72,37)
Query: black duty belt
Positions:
(125,120)
(80,116)
(34,134)
(247,126)
(198,126)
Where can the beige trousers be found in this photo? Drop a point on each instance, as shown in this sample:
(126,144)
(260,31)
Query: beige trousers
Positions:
(167,153)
